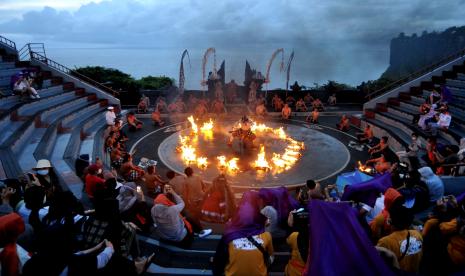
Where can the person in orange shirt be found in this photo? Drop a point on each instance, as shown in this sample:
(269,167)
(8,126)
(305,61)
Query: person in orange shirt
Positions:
(406,244)
(298,241)
(380,226)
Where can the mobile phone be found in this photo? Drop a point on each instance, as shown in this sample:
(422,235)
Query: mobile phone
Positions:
(300,210)
(138,189)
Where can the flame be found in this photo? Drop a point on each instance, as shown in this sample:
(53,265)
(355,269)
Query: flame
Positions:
(207,126)
(280,132)
(202,162)
(261,162)
(363,168)
(260,127)
(221,161)
(232,165)
(194,126)
(188,154)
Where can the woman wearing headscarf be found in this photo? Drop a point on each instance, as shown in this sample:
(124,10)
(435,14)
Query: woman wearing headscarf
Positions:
(245,248)
(380,226)
(218,205)
(11,226)
(46,177)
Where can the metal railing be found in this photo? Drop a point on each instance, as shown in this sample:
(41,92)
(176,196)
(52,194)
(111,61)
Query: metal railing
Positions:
(7,42)
(24,53)
(59,67)
(421,72)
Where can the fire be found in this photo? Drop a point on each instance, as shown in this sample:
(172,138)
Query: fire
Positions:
(363,168)
(202,162)
(278,161)
(230,165)
(260,127)
(261,162)
(188,154)
(281,133)
(194,126)
(207,126)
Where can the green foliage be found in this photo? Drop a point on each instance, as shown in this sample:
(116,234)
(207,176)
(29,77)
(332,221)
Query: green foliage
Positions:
(334,86)
(374,85)
(113,78)
(151,82)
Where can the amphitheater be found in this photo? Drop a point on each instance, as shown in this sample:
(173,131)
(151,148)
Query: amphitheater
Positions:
(68,120)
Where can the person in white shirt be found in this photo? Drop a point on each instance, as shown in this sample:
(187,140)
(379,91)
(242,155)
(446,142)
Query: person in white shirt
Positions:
(110,116)
(442,121)
(23,86)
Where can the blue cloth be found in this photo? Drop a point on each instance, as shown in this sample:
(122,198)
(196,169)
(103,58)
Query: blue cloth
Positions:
(368,191)
(338,243)
(446,94)
(351,178)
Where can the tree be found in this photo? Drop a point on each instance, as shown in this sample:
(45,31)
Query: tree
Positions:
(151,82)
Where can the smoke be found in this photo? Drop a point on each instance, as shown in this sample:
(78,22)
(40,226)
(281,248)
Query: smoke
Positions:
(347,41)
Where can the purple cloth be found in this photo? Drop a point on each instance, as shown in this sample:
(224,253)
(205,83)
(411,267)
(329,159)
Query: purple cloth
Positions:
(247,221)
(280,199)
(338,243)
(460,198)
(368,191)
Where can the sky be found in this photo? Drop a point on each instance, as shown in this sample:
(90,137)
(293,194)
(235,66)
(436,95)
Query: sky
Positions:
(344,40)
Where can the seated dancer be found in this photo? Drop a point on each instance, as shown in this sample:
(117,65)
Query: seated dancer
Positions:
(318,104)
(308,99)
(366,136)
(201,109)
(129,171)
(260,110)
(172,108)
(161,105)
(142,106)
(332,99)
(179,105)
(156,118)
(217,106)
(313,117)
(300,105)
(192,102)
(243,132)
(286,112)
(344,124)
(290,100)
(133,123)
(219,204)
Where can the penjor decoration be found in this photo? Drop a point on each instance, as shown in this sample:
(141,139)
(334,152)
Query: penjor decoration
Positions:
(270,62)
(182,78)
(288,70)
(208,52)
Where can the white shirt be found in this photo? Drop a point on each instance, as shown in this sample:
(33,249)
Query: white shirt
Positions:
(110,118)
(444,120)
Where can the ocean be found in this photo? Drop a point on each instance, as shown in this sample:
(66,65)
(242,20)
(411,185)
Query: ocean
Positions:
(307,68)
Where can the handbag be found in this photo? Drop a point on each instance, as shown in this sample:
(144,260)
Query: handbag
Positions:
(266,257)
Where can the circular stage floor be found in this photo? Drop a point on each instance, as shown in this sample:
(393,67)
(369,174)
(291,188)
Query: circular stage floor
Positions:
(325,156)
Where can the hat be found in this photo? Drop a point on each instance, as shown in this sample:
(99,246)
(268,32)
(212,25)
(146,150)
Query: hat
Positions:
(42,164)
(110,108)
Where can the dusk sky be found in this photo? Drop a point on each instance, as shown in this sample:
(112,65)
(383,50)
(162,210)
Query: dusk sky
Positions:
(343,40)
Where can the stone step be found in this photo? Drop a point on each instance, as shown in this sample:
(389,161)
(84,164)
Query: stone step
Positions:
(7,73)
(6,132)
(75,104)
(32,107)
(25,155)
(10,101)
(80,116)
(7,65)
(455,83)
(461,76)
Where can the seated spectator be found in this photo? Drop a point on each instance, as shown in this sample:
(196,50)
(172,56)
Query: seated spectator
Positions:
(380,226)
(442,120)
(344,124)
(430,156)
(434,97)
(245,248)
(219,205)
(272,222)
(11,226)
(332,100)
(433,182)
(23,86)
(129,171)
(410,155)
(260,110)
(177,182)
(169,224)
(415,190)
(450,158)
(156,118)
(332,194)
(132,206)
(110,116)
(300,105)
(298,241)
(32,208)
(93,180)
(153,182)
(286,112)
(133,123)
(427,113)
(313,117)
(366,136)
(406,244)
(314,190)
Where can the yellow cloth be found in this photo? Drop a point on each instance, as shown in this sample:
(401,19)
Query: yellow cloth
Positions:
(245,259)
(456,246)
(397,241)
(295,265)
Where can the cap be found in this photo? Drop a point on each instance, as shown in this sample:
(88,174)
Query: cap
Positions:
(110,108)
(42,164)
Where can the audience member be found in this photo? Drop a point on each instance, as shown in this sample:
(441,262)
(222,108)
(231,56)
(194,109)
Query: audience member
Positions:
(219,205)
(110,116)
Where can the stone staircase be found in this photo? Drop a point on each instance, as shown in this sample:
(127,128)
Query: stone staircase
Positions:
(393,117)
